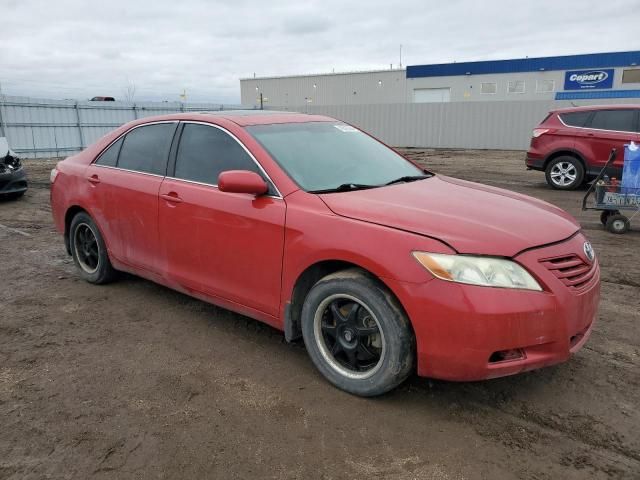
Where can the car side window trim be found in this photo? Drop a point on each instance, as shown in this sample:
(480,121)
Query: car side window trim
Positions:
(122,135)
(588,122)
(172,160)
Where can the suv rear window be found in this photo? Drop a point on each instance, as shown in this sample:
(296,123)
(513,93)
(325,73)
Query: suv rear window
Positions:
(617,120)
(575,119)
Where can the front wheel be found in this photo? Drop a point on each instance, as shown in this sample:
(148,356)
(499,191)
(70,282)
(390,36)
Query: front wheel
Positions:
(357,334)
(565,173)
(89,251)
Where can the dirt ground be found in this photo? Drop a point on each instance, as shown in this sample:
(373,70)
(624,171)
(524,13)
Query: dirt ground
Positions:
(133,380)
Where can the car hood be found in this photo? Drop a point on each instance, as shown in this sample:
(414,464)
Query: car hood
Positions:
(470,217)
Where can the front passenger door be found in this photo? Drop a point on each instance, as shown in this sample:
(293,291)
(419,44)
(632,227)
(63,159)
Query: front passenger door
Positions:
(225,245)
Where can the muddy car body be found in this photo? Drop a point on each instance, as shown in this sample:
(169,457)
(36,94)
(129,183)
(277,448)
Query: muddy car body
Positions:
(321,231)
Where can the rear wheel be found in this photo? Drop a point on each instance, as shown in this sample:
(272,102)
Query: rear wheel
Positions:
(357,334)
(618,224)
(565,173)
(89,251)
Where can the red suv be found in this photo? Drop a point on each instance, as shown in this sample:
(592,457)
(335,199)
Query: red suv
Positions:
(571,145)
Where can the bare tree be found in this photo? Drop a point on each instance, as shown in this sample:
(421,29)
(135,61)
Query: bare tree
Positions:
(129,91)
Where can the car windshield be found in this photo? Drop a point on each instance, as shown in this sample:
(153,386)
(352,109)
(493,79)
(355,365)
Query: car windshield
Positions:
(329,156)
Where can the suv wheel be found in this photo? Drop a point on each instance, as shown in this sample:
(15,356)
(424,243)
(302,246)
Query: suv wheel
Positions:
(357,334)
(565,173)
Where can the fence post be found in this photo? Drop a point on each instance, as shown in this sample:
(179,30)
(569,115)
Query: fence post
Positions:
(77,109)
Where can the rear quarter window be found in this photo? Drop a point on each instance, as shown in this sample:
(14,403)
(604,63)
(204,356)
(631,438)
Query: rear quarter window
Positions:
(575,119)
(109,158)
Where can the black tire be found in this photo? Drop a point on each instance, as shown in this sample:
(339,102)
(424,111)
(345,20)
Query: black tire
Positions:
(565,173)
(618,224)
(604,216)
(90,257)
(383,360)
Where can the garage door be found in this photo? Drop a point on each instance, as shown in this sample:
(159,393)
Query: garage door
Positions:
(431,95)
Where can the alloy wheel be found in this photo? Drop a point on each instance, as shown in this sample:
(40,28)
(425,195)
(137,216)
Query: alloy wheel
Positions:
(349,336)
(563,174)
(86,248)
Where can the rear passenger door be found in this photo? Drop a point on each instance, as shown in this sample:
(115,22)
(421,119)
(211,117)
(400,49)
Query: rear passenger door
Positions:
(609,129)
(129,193)
(225,245)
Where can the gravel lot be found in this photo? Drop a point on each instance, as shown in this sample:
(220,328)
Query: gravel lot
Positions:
(133,380)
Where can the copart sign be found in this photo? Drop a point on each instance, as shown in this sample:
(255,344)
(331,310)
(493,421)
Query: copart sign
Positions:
(581,79)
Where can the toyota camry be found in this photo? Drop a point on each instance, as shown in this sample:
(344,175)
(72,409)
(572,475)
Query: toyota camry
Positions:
(316,228)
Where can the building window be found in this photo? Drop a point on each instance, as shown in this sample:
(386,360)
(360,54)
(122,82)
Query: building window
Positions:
(489,87)
(631,76)
(545,86)
(516,86)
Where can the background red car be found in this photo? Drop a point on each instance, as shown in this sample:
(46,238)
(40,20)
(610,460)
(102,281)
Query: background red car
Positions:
(572,145)
(318,229)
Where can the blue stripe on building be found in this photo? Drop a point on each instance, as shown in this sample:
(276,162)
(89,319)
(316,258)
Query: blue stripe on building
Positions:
(583,95)
(568,62)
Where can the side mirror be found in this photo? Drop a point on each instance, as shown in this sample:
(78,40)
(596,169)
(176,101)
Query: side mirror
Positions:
(242,181)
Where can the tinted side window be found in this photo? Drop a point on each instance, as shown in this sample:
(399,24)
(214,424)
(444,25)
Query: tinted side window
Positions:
(575,119)
(205,151)
(109,157)
(146,149)
(620,120)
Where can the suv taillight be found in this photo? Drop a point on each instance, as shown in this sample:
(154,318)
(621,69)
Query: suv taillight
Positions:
(539,131)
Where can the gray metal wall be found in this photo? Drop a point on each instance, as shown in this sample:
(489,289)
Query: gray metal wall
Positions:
(56,128)
(50,128)
(485,125)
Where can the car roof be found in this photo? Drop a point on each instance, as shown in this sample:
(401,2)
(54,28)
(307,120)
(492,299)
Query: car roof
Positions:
(245,117)
(619,106)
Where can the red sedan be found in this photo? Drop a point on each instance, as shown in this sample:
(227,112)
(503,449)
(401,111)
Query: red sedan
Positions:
(318,229)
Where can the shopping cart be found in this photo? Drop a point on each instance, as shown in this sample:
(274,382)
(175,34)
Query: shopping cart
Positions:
(611,198)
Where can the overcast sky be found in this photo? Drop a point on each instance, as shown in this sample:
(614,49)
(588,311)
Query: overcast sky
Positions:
(78,49)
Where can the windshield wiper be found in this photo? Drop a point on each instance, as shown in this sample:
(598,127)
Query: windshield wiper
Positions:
(407,178)
(345,187)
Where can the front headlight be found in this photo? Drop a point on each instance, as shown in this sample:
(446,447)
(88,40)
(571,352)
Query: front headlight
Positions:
(484,271)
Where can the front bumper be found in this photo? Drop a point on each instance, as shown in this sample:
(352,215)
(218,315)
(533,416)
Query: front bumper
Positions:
(13,181)
(459,328)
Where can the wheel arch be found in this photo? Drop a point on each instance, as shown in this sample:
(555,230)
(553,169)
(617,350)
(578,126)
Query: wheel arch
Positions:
(71,212)
(308,278)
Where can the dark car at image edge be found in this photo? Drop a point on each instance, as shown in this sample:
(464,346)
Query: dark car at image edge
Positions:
(572,145)
(13,180)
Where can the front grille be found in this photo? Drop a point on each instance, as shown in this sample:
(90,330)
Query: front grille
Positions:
(574,272)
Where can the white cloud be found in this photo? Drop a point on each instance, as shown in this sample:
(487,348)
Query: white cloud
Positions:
(77,49)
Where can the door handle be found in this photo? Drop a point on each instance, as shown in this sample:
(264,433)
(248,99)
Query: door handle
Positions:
(93,179)
(171,197)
